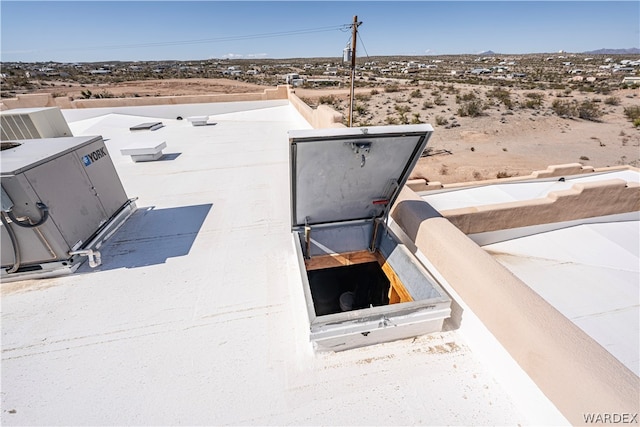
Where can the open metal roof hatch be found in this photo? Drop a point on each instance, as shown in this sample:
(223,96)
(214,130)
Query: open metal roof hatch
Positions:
(351,173)
(361,285)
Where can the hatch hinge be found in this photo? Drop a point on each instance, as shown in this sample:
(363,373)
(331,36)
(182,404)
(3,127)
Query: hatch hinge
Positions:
(307,239)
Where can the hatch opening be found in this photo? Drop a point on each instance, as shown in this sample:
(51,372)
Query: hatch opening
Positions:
(353,281)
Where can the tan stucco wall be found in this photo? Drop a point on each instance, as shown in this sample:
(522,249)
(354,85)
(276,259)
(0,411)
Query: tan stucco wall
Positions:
(588,200)
(421,184)
(577,374)
(47,100)
(321,117)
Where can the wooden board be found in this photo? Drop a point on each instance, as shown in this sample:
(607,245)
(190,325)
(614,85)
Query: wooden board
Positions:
(339,260)
(397,291)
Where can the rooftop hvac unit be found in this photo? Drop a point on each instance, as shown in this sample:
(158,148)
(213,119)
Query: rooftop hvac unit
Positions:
(60,200)
(33,123)
(362,285)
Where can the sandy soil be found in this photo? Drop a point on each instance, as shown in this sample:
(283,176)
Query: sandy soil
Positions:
(161,87)
(503,141)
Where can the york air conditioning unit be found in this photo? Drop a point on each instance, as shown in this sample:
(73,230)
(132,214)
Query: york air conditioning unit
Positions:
(61,198)
(33,123)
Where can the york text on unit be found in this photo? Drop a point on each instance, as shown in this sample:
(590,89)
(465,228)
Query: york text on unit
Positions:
(94,156)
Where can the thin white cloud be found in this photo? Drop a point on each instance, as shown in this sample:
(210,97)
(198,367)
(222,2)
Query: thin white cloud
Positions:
(243,55)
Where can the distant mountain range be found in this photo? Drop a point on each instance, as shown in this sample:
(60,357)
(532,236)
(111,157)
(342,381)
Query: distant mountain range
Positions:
(631,51)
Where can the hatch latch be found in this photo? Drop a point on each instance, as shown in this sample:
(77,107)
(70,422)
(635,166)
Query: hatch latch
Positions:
(361,148)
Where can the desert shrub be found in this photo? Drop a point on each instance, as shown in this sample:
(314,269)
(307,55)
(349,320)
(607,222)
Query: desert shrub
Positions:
(589,110)
(402,110)
(632,113)
(501,95)
(451,89)
(636,122)
(465,97)
(392,88)
(503,174)
(374,92)
(470,109)
(534,100)
(416,119)
(427,104)
(438,100)
(563,108)
(390,120)
(328,99)
(416,94)
(612,100)
(362,97)
(441,121)
(584,158)
(360,109)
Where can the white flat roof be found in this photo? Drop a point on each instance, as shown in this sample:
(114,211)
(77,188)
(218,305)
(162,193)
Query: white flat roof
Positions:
(587,269)
(197,314)
(488,194)
(591,274)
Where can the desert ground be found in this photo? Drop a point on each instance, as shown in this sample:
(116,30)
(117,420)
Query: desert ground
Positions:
(507,138)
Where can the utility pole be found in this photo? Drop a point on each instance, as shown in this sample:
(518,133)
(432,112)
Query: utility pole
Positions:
(354,35)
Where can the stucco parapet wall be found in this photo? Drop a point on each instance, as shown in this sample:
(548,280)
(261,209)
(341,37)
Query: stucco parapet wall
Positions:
(584,200)
(47,100)
(35,100)
(421,184)
(576,373)
(322,117)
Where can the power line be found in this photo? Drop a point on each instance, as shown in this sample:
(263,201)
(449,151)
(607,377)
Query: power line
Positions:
(362,43)
(212,40)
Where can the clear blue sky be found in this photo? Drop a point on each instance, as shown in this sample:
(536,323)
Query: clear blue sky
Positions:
(88,31)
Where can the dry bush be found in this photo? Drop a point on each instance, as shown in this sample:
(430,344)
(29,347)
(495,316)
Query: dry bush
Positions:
(439,101)
(563,108)
(534,100)
(328,99)
(427,104)
(465,97)
(502,95)
(470,109)
(612,100)
(589,110)
(503,174)
(632,113)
